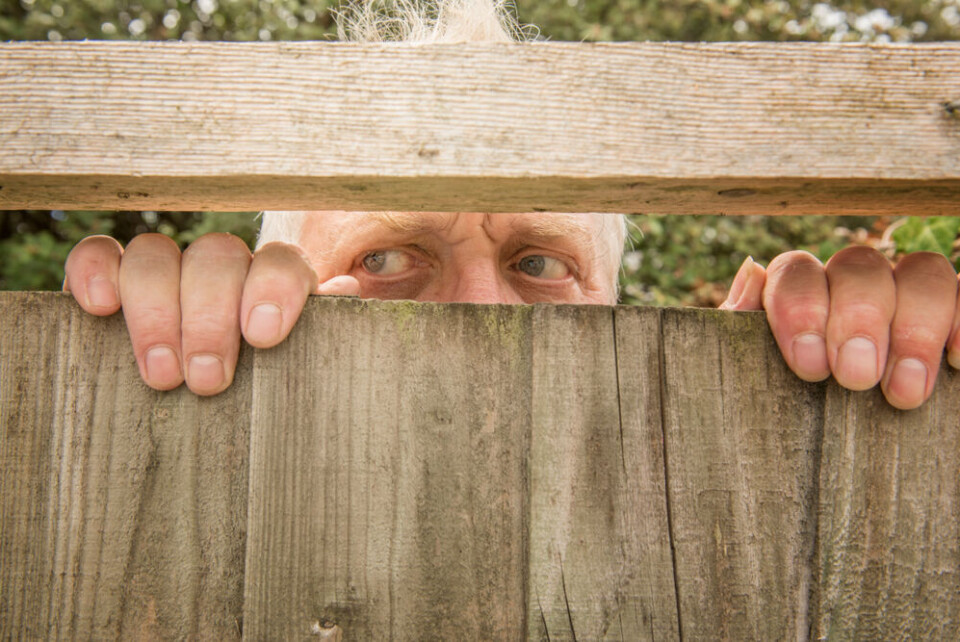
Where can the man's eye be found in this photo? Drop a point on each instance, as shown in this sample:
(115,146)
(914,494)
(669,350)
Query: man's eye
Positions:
(386,262)
(543,267)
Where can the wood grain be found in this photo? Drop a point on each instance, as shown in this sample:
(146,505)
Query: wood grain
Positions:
(123,509)
(889,555)
(424,471)
(745,128)
(600,563)
(388,474)
(742,452)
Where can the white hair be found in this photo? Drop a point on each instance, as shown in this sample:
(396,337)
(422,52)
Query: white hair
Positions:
(424,21)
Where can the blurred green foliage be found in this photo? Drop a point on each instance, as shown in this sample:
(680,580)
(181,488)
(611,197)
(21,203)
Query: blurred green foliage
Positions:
(680,260)
(929,235)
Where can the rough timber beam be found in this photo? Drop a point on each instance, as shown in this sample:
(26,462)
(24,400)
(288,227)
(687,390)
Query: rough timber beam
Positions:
(747,128)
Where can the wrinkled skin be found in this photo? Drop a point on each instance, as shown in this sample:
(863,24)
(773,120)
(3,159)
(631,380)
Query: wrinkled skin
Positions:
(855,317)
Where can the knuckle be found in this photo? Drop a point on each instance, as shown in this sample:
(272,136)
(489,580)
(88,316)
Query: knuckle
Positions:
(800,314)
(793,266)
(918,339)
(926,265)
(209,327)
(795,259)
(283,252)
(863,318)
(859,256)
(217,245)
(153,243)
(93,251)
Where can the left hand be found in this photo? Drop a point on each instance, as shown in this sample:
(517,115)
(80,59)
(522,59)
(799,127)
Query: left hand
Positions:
(857,318)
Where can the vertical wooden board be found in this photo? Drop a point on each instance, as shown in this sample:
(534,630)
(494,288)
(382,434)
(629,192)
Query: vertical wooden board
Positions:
(137,515)
(889,552)
(597,569)
(647,526)
(742,447)
(388,474)
(28,365)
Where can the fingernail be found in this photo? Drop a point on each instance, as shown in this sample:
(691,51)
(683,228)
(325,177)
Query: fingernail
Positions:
(264,323)
(162,367)
(810,356)
(738,286)
(205,372)
(101,293)
(953,358)
(857,364)
(909,382)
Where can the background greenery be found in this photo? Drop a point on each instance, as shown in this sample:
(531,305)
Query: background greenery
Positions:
(680,260)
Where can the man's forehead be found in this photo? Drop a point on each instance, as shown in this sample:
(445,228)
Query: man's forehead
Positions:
(545,225)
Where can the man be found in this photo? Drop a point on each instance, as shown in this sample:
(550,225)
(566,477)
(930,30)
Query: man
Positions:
(855,318)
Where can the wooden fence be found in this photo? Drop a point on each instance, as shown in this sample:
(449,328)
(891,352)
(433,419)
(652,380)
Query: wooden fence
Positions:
(416,471)
(419,471)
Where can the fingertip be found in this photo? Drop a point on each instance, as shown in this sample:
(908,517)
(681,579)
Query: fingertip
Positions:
(907,386)
(102,296)
(263,327)
(91,274)
(342,285)
(809,357)
(857,365)
(161,368)
(207,374)
(953,358)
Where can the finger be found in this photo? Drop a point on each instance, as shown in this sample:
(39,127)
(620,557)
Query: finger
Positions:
(926,299)
(211,285)
(862,304)
(149,285)
(797,302)
(278,285)
(747,288)
(343,285)
(93,274)
(953,343)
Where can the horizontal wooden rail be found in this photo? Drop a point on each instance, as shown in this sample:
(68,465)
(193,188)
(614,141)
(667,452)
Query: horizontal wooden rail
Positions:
(418,471)
(747,128)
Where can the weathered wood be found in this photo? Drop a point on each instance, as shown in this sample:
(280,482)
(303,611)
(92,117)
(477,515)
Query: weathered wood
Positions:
(745,128)
(742,452)
(388,474)
(889,554)
(122,510)
(600,564)
(422,471)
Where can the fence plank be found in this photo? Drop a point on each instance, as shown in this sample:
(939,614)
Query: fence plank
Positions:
(388,474)
(743,447)
(742,128)
(600,564)
(123,509)
(422,471)
(889,562)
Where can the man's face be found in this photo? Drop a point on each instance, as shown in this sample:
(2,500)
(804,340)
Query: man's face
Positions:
(468,257)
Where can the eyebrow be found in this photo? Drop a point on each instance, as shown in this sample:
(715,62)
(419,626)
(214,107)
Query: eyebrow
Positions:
(532,227)
(550,227)
(407,222)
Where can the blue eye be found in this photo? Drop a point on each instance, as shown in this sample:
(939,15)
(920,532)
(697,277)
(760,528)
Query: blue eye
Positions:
(532,265)
(387,262)
(543,267)
(374,261)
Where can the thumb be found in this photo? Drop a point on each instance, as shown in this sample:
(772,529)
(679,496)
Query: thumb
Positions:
(747,289)
(342,285)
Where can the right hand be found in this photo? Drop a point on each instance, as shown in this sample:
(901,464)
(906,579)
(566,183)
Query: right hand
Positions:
(186,312)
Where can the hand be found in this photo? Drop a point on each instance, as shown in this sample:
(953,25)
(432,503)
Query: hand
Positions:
(858,318)
(185,312)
